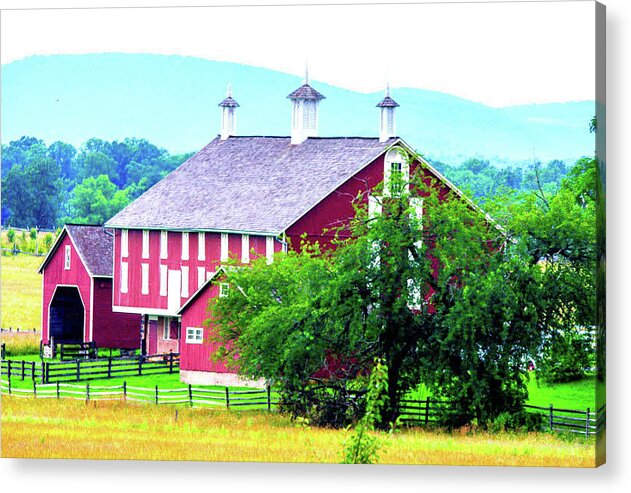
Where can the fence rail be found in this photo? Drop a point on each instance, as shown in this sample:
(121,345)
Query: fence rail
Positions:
(18,330)
(587,422)
(96,369)
(261,399)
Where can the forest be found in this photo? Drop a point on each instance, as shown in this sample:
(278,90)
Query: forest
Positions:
(45,187)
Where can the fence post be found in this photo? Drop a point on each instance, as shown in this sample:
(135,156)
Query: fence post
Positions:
(587,423)
(156,394)
(427,411)
(58,393)
(125,391)
(227,398)
(34,388)
(23,364)
(46,369)
(551,417)
(78,370)
(33,370)
(9,384)
(171,361)
(87,392)
(269,398)
(3,350)
(190,394)
(9,369)
(140,366)
(109,365)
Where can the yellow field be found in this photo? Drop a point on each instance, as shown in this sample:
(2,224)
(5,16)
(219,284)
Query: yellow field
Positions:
(115,430)
(20,291)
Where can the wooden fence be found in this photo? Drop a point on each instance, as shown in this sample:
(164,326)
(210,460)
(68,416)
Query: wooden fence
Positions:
(261,399)
(98,369)
(18,330)
(426,412)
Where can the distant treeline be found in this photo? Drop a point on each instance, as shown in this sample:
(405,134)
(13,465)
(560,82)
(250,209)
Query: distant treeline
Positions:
(49,186)
(46,187)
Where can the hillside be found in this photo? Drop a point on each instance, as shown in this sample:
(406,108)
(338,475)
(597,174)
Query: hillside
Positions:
(172,101)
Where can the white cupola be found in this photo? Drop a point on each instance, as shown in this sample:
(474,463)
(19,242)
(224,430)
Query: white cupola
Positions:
(388,127)
(228,115)
(304,116)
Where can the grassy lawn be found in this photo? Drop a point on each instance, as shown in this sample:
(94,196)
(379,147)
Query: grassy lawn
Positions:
(20,291)
(113,430)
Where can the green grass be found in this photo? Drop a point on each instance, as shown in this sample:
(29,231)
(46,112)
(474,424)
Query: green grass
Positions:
(577,395)
(20,291)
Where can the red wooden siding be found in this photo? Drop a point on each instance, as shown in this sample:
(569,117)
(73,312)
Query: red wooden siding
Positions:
(153,300)
(55,275)
(198,356)
(112,330)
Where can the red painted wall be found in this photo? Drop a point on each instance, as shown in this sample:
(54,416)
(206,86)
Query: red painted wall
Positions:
(112,330)
(55,275)
(134,297)
(198,356)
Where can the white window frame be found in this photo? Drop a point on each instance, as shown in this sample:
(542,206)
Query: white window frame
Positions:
(185,245)
(224,289)
(395,155)
(184,290)
(164,279)
(224,247)
(269,249)
(67,257)
(145,243)
(245,249)
(164,244)
(166,329)
(201,276)
(201,246)
(194,335)
(124,277)
(124,243)
(144,274)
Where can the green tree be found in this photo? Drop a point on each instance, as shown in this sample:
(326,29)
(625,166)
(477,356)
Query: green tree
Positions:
(95,163)
(95,200)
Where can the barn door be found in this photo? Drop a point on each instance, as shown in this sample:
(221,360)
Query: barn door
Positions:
(174,290)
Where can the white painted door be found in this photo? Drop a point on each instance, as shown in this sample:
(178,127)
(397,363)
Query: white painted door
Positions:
(174,290)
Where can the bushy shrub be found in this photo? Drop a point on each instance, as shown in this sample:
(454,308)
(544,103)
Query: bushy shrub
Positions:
(567,356)
(11,235)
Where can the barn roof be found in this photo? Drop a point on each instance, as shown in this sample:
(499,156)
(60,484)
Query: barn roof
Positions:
(250,184)
(305,91)
(94,244)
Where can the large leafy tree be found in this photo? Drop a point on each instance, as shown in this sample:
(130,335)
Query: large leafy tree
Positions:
(95,200)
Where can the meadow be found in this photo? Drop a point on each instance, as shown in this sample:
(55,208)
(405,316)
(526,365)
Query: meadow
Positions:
(20,291)
(114,430)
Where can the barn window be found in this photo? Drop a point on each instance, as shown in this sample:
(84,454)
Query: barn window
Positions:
(201,246)
(67,258)
(124,277)
(124,243)
(224,247)
(144,289)
(194,335)
(166,329)
(224,289)
(184,293)
(164,244)
(396,173)
(245,248)
(184,246)
(269,249)
(145,244)
(201,275)
(163,280)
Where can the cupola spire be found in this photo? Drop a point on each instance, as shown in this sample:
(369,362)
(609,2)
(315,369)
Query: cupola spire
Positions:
(304,116)
(387,105)
(228,115)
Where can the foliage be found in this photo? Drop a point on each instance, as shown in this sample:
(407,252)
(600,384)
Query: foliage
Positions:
(11,235)
(567,356)
(362,446)
(95,200)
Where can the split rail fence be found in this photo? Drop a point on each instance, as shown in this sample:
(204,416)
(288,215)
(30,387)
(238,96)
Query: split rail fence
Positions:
(260,399)
(98,369)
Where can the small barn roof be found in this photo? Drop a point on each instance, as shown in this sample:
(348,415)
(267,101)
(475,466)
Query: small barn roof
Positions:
(229,103)
(94,244)
(258,185)
(387,102)
(305,91)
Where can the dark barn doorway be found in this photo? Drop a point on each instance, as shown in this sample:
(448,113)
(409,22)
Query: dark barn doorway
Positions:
(67,315)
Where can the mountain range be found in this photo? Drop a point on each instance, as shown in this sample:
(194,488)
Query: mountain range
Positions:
(172,102)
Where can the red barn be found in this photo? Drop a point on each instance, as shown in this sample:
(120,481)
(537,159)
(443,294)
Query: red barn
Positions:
(77,292)
(241,196)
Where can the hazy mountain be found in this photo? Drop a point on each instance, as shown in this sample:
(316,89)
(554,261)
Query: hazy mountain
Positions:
(172,101)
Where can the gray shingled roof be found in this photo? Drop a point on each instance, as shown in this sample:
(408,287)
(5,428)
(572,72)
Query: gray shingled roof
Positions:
(306,92)
(387,102)
(229,103)
(95,246)
(250,184)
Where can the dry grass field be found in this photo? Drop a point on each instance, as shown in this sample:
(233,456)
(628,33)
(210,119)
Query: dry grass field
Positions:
(115,430)
(20,291)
